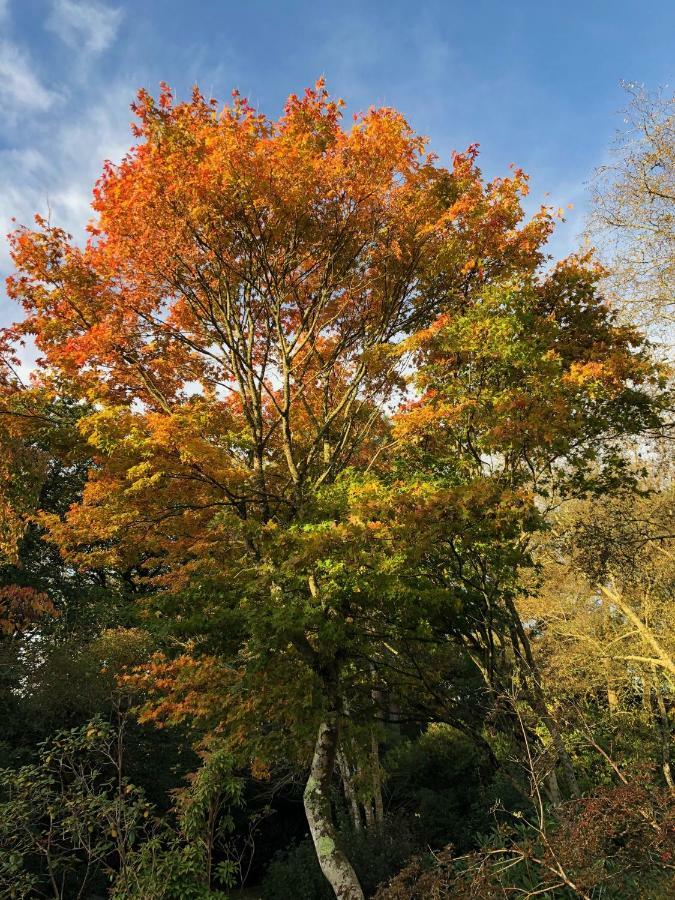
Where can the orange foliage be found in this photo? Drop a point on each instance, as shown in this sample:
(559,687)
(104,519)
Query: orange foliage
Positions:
(21,607)
(236,313)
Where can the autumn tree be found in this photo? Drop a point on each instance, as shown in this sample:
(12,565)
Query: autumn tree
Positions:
(522,404)
(20,469)
(328,382)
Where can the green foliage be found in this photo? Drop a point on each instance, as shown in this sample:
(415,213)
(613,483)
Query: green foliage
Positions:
(70,817)
(166,868)
(296,872)
(178,861)
(73,819)
(438,781)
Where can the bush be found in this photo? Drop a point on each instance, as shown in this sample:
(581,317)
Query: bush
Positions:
(72,824)
(438,780)
(615,844)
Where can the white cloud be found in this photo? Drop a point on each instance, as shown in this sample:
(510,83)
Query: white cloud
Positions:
(58,170)
(87,25)
(20,87)
(53,173)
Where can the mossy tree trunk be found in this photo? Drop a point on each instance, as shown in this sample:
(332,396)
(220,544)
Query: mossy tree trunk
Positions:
(334,863)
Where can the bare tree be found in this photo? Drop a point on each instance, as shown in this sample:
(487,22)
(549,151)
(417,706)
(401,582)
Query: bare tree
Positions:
(633,218)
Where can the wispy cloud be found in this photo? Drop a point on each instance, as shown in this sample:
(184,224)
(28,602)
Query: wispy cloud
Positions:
(20,86)
(53,173)
(56,174)
(87,25)
(56,135)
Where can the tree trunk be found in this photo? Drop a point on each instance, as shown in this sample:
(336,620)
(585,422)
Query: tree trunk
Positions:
(664,734)
(536,699)
(379,702)
(552,788)
(377,780)
(561,750)
(334,864)
(350,793)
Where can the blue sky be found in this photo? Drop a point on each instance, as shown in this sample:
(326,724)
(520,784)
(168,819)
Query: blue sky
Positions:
(535,83)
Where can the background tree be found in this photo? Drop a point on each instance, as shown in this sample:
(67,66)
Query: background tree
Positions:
(633,218)
(605,626)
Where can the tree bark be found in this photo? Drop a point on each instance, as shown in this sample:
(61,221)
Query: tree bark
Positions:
(377,780)
(537,701)
(376,774)
(664,734)
(552,788)
(334,864)
(350,793)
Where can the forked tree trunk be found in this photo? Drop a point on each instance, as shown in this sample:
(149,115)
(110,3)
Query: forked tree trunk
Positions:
(334,864)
